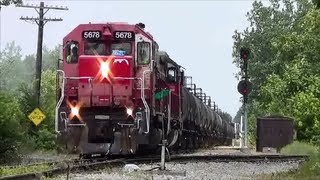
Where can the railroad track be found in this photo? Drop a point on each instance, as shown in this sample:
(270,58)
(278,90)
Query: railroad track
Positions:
(95,164)
(240,158)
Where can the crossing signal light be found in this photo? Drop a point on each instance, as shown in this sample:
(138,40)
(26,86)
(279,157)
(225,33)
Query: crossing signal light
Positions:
(244,87)
(244,54)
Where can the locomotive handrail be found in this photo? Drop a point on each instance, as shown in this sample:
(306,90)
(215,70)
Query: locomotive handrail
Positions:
(60,101)
(147,109)
(77,78)
(145,102)
(169,113)
(62,95)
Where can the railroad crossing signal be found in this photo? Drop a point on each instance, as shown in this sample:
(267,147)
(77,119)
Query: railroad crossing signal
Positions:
(36,116)
(244,87)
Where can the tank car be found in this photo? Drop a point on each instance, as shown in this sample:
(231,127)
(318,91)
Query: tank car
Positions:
(119,94)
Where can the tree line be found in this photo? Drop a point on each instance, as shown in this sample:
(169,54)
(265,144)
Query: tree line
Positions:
(284,38)
(18,135)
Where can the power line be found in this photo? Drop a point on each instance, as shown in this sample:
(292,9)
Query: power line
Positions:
(41,21)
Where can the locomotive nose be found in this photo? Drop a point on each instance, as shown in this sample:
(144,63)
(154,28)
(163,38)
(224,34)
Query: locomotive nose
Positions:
(105,67)
(111,82)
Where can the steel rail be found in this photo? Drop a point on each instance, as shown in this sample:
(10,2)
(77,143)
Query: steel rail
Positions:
(239,158)
(51,163)
(102,162)
(48,162)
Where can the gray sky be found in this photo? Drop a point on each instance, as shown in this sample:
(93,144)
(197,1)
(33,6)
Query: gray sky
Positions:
(196,34)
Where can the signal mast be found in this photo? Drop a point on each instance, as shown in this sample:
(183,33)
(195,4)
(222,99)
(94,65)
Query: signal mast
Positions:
(244,88)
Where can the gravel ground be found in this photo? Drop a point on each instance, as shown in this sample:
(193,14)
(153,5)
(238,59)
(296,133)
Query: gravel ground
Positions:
(190,171)
(179,171)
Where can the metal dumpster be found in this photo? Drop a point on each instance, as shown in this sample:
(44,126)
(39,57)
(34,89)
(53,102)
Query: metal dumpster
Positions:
(274,132)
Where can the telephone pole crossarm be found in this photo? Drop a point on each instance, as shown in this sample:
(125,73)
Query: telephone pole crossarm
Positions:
(44,7)
(41,21)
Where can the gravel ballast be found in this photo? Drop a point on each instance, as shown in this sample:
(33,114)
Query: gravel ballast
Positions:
(192,170)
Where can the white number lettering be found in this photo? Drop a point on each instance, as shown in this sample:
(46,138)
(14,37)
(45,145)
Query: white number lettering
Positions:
(117,34)
(91,34)
(123,35)
(85,35)
(97,34)
(129,35)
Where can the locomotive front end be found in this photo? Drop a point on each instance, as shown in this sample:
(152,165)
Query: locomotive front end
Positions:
(106,95)
(99,110)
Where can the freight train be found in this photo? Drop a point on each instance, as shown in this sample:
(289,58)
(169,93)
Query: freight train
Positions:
(119,94)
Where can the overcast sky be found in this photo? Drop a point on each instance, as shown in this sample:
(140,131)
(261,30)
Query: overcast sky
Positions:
(196,34)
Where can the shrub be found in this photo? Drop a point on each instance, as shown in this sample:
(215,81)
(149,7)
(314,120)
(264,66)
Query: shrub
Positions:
(309,169)
(11,133)
(300,148)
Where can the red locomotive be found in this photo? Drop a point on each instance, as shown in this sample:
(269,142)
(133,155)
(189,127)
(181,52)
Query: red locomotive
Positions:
(120,95)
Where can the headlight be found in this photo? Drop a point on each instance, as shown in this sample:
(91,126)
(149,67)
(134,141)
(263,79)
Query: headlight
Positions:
(104,68)
(74,111)
(129,111)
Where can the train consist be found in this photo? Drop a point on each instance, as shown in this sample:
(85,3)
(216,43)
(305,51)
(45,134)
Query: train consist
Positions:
(120,95)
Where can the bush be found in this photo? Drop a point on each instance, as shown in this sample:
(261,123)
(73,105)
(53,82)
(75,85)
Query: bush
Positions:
(11,132)
(46,140)
(311,168)
(300,148)
(42,135)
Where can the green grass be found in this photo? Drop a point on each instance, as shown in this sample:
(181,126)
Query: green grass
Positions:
(300,148)
(308,170)
(5,171)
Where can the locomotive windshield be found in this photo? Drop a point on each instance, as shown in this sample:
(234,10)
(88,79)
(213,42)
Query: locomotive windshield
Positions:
(100,48)
(95,48)
(120,48)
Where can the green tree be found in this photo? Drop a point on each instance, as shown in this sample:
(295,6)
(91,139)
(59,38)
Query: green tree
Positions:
(48,103)
(296,92)
(10,66)
(51,57)
(285,69)
(266,23)
(16,83)
(43,134)
(11,132)
(226,116)
(317,3)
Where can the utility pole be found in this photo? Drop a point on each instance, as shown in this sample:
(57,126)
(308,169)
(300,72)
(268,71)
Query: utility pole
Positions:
(41,21)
